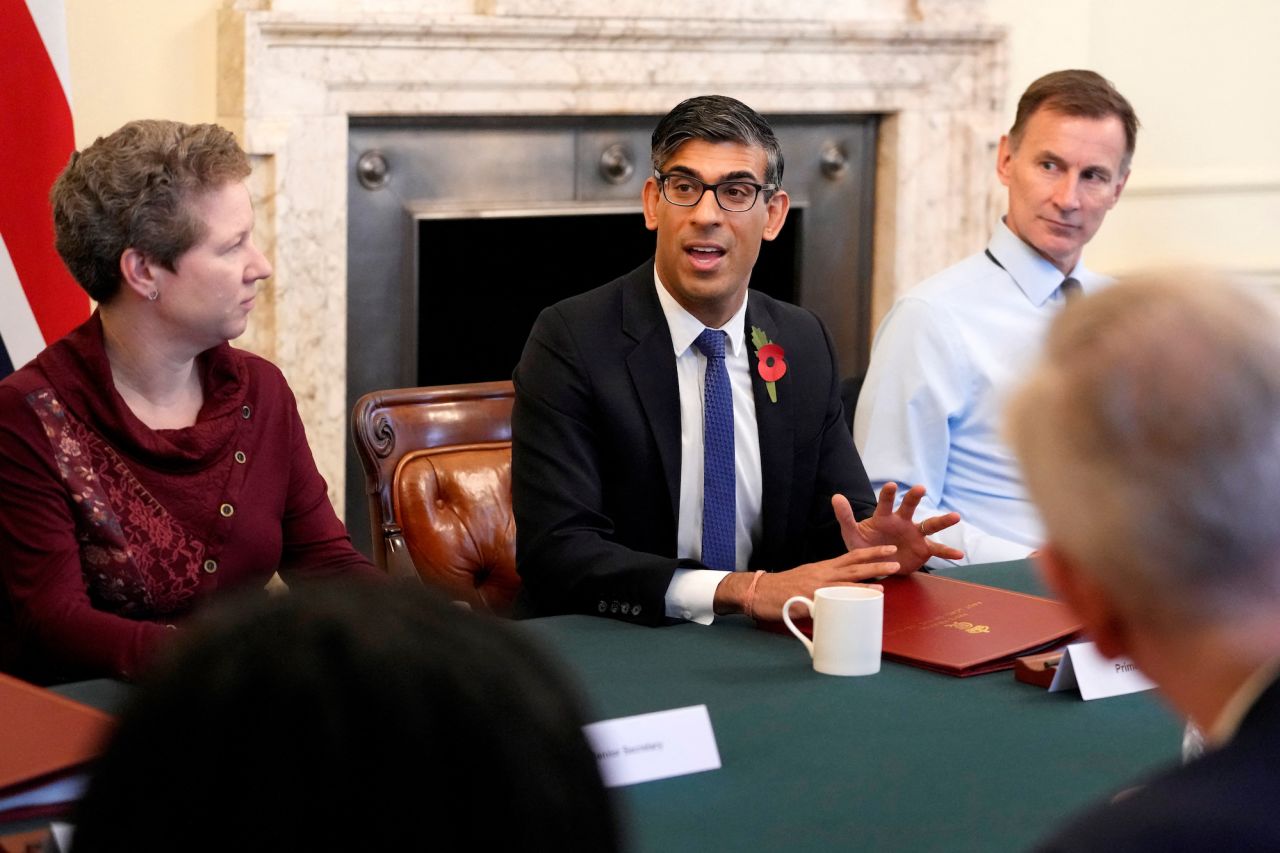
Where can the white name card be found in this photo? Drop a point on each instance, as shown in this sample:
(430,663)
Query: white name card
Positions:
(1097,677)
(654,746)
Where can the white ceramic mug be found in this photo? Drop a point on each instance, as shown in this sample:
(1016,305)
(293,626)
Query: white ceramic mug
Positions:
(848,625)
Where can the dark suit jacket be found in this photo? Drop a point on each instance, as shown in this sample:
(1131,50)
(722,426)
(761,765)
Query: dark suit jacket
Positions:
(1227,800)
(596,451)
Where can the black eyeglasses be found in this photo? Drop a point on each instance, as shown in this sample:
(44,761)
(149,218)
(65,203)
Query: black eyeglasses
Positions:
(733,196)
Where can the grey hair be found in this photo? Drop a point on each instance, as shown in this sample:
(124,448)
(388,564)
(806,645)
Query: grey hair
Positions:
(1149,437)
(716,118)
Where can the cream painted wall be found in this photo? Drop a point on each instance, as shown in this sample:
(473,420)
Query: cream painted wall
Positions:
(141,59)
(1204,79)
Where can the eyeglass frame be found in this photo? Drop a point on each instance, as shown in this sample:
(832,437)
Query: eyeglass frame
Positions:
(661,178)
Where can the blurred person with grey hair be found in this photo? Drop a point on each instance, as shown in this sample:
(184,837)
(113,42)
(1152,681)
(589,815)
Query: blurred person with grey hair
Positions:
(1149,436)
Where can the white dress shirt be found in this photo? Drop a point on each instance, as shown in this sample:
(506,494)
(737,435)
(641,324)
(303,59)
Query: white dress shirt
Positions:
(944,361)
(691,593)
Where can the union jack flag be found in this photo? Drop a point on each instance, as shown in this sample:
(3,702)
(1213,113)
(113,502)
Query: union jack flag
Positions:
(39,301)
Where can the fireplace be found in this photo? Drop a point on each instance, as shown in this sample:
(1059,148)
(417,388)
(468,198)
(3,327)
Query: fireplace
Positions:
(460,230)
(302,81)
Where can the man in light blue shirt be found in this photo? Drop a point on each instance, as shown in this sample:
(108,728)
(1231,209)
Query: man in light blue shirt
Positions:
(951,349)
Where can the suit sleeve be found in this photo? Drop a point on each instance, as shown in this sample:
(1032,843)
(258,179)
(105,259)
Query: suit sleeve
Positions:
(840,471)
(567,554)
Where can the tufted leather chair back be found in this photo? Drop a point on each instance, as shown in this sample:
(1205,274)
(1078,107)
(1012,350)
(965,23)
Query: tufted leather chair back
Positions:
(437,465)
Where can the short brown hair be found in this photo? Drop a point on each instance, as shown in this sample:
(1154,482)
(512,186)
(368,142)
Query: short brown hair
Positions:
(1076,92)
(131,190)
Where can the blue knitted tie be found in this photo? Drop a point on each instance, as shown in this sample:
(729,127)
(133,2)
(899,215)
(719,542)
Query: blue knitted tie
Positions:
(719,493)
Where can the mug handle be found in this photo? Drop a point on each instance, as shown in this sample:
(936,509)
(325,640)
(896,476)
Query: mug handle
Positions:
(786,618)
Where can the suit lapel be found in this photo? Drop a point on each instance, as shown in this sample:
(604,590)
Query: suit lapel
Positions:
(773,422)
(652,365)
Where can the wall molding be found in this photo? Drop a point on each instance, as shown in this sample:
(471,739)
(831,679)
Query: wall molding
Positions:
(1194,183)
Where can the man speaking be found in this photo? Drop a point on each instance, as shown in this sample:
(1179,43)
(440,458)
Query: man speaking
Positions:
(678,449)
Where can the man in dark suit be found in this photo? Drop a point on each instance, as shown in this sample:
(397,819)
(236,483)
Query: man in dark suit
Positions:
(1149,438)
(671,431)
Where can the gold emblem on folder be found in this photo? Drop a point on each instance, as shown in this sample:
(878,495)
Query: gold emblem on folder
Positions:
(970,628)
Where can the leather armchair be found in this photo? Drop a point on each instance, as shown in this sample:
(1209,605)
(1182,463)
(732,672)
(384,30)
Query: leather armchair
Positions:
(437,465)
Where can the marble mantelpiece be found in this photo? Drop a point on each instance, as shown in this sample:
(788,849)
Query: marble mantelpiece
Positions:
(292,73)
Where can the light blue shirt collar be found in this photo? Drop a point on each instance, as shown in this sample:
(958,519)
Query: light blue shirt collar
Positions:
(1035,276)
(685,327)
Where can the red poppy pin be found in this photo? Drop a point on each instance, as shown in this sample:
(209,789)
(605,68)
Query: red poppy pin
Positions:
(771,364)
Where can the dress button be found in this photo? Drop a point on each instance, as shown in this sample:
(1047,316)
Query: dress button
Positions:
(601,606)
(635,610)
(245,412)
(240,457)
(210,566)
(227,510)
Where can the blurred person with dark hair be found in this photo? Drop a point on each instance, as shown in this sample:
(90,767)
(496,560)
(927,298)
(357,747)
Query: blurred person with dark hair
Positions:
(145,464)
(1149,435)
(949,352)
(348,716)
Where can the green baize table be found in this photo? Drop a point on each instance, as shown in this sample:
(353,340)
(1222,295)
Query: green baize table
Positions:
(905,760)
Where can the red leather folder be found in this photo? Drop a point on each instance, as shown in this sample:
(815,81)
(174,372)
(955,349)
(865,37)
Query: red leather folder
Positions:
(33,841)
(44,738)
(961,628)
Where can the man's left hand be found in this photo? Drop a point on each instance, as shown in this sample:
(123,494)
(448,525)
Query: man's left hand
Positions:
(888,526)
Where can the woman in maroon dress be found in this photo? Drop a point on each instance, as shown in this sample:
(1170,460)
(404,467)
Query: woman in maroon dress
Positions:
(145,464)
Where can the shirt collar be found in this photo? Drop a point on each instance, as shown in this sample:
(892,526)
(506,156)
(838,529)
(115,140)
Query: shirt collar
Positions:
(1035,276)
(77,368)
(685,327)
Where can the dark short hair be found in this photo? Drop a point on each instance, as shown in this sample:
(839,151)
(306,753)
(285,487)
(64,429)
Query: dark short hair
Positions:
(1076,92)
(349,716)
(132,189)
(716,118)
